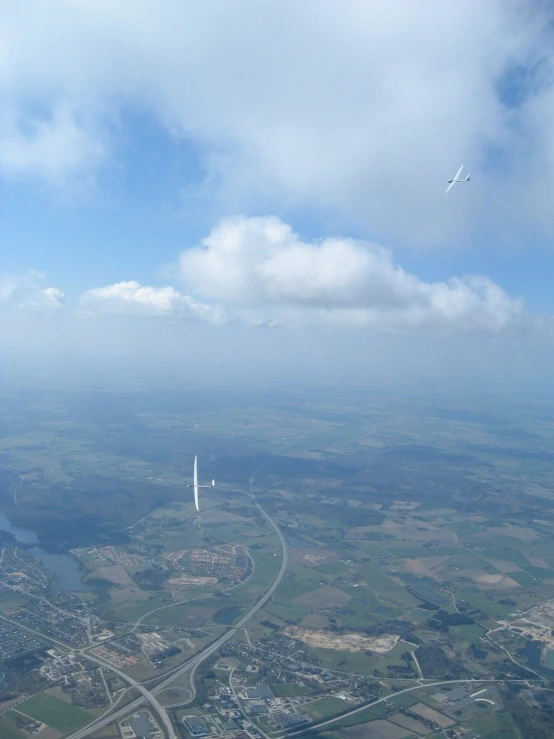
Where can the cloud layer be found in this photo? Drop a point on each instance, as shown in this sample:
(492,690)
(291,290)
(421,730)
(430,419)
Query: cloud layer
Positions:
(361,109)
(260,270)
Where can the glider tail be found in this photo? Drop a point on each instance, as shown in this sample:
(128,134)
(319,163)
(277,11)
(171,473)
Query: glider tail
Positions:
(468,178)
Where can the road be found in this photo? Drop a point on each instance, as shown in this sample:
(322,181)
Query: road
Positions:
(154,703)
(261,603)
(195,661)
(191,664)
(322,724)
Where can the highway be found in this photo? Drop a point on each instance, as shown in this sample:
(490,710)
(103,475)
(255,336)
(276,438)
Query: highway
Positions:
(193,662)
(158,708)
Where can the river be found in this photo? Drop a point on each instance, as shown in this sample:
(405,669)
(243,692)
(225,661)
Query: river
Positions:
(62,566)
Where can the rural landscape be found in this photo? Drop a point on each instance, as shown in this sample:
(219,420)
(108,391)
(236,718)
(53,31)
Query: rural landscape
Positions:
(368,564)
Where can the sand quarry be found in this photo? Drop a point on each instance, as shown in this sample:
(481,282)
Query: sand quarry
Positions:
(186,580)
(351,642)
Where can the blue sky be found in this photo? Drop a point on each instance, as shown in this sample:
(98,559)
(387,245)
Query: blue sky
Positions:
(278,164)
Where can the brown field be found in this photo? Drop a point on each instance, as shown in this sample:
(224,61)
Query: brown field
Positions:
(517,532)
(313,557)
(4,705)
(325,596)
(484,580)
(504,566)
(409,723)
(429,713)
(494,582)
(379,729)
(409,529)
(417,566)
(49,733)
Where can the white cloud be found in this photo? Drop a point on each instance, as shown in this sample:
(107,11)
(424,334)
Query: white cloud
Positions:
(49,299)
(263,272)
(361,109)
(24,291)
(54,148)
(131,298)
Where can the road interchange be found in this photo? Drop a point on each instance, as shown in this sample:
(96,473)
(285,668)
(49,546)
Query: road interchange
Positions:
(192,663)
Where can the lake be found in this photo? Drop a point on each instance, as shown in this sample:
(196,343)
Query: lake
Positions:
(62,566)
(532,653)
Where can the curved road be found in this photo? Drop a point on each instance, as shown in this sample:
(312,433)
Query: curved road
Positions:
(193,662)
(321,724)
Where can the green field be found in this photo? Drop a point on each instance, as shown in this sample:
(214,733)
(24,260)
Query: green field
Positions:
(332,568)
(380,583)
(326,708)
(172,614)
(362,717)
(465,528)
(494,725)
(471,632)
(523,578)
(131,612)
(266,567)
(354,662)
(477,599)
(405,700)
(8,729)
(54,712)
(292,614)
(506,553)
(290,690)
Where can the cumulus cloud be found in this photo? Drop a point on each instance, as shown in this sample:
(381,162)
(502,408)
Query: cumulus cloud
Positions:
(131,298)
(263,272)
(361,109)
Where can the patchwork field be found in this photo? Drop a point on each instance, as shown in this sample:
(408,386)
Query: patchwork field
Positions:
(419,531)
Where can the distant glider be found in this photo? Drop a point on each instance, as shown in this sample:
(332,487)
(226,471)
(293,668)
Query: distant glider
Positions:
(195,484)
(452,182)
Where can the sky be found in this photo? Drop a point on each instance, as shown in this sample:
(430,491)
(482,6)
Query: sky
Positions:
(262,182)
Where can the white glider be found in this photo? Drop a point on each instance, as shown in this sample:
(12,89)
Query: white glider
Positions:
(195,484)
(452,182)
